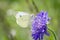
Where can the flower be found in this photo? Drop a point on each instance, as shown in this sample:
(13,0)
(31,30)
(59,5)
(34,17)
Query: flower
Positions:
(39,25)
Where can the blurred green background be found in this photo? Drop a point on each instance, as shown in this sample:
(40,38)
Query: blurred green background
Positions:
(9,30)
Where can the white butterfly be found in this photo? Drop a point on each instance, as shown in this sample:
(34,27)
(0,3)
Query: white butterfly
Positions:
(23,19)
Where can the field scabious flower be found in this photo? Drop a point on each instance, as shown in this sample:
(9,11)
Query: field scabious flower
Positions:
(39,25)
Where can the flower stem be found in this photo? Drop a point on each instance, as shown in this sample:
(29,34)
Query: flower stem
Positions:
(39,38)
(53,33)
(35,6)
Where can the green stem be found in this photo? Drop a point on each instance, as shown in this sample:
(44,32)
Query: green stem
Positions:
(53,33)
(35,6)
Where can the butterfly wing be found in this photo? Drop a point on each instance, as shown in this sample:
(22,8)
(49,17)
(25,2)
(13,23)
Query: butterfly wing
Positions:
(23,19)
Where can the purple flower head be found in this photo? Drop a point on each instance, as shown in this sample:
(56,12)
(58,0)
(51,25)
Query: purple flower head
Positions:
(39,25)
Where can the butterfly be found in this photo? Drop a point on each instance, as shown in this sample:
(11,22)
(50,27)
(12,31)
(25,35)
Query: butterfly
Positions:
(23,19)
